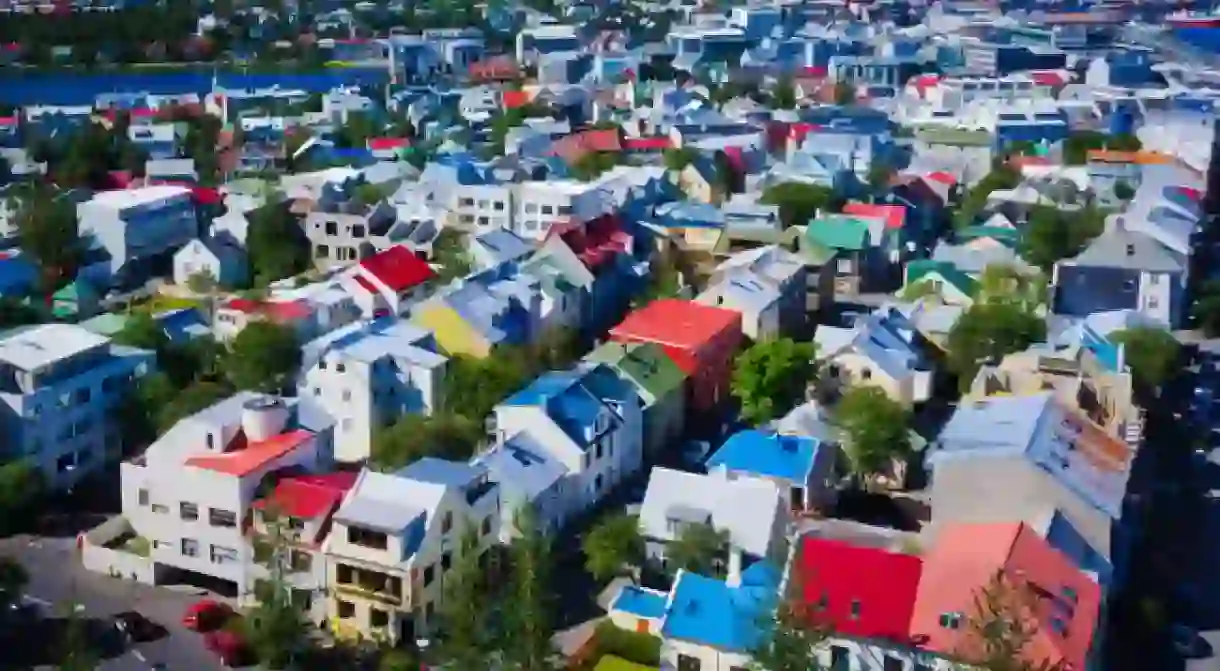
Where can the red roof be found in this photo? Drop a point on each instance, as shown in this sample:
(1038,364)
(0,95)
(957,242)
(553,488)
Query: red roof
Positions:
(859,591)
(1048,78)
(398,269)
(574,147)
(8,121)
(594,242)
(515,99)
(800,129)
(968,557)
(206,195)
(813,71)
(279,311)
(942,177)
(309,496)
(384,143)
(134,113)
(677,323)
(244,458)
(894,215)
(647,143)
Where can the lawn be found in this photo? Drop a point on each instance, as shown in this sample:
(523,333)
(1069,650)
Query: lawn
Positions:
(161,303)
(612,663)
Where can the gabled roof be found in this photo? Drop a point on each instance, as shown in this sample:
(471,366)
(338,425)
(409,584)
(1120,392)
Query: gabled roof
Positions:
(575,400)
(784,457)
(643,364)
(858,591)
(1119,247)
(967,557)
(746,507)
(522,466)
(675,322)
(839,232)
(894,215)
(308,496)
(712,612)
(398,268)
(918,269)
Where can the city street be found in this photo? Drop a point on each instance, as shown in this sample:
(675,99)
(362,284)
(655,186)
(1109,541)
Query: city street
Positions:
(57,579)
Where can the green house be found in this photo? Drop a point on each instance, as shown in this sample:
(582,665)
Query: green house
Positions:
(659,383)
(942,279)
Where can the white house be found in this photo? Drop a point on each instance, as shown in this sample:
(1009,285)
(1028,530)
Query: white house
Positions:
(528,476)
(388,282)
(884,349)
(588,421)
(191,490)
(127,232)
(394,539)
(766,285)
(224,261)
(367,375)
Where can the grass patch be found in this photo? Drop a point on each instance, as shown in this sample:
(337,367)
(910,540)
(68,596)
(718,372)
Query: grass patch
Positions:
(643,650)
(612,663)
(161,303)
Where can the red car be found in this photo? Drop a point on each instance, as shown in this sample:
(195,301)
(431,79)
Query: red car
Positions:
(230,646)
(206,615)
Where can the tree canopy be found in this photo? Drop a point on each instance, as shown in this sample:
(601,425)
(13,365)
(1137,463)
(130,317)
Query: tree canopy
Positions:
(1053,234)
(1152,354)
(277,246)
(770,376)
(1206,309)
(987,332)
(798,203)
(1077,146)
(612,546)
(47,231)
(974,202)
(264,357)
(876,427)
(699,548)
(22,488)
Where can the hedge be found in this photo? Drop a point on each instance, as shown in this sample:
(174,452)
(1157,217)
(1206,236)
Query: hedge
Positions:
(630,645)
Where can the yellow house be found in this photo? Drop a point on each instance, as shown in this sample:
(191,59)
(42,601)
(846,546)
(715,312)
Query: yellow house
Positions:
(699,183)
(454,334)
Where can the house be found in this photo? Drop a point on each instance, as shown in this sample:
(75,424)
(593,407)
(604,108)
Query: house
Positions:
(369,374)
(882,349)
(235,314)
(218,258)
(701,182)
(129,233)
(1033,458)
(803,468)
(493,307)
(394,540)
(967,558)
(497,246)
(157,140)
(62,387)
(299,510)
(388,282)
(1123,269)
(702,340)
(942,279)
(529,477)
(767,286)
(854,245)
(751,511)
(659,384)
(586,420)
(190,492)
(343,233)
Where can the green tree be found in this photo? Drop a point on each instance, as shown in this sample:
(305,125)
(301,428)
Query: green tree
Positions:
(264,356)
(999,631)
(877,430)
(22,490)
(13,579)
(1004,282)
(986,333)
(613,545)
(770,377)
(370,194)
(676,160)
(449,253)
(397,659)
(76,651)
(791,634)
(142,331)
(528,624)
(14,312)
(798,203)
(47,231)
(276,244)
(879,176)
(275,627)
(464,616)
(1152,354)
(783,94)
(195,397)
(1078,145)
(202,282)
(1053,234)
(1123,190)
(445,435)
(592,164)
(975,200)
(474,386)
(845,93)
(699,548)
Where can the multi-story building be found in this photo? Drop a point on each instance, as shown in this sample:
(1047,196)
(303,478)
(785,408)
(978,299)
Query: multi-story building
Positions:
(190,492)
(394,540)
(132,235)
(367,375)
(60,385)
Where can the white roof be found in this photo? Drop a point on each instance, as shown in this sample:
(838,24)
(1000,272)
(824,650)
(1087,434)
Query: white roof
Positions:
(131,197)
(746,507)
(38,346)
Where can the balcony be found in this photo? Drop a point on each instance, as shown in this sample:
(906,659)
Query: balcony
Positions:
(372,585)
(369,594)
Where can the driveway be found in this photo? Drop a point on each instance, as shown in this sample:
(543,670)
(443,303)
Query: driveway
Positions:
(57,579)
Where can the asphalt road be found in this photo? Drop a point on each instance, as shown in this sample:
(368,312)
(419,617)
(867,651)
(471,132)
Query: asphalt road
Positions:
(57,580)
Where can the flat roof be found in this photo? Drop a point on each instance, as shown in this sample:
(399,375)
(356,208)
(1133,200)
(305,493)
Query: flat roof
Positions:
(131,197)
(39,346)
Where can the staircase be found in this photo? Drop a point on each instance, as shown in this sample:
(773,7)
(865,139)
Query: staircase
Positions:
(1133,430)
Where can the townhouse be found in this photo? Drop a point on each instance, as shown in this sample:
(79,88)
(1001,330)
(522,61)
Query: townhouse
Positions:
(884,349)
(767,286)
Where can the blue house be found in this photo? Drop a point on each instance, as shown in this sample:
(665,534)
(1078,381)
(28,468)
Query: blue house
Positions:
(802,467)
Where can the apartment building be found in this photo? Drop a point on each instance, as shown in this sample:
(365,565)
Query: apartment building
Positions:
(189,494)
(394,539)
(540,205)
(369,374)
(131,235)
(60,385)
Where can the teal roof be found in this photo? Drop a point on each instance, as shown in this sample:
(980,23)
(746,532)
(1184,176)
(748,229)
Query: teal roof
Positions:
(917,270)
(839,232)
(1008,236)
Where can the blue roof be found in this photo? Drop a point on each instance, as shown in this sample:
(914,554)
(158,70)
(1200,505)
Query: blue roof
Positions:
(774,455)
(640,602)
(573,399)
(442,471)
(523,467)
(709,611)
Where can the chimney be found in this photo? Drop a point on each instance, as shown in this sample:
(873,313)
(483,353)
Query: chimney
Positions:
(263,417)
(733,578)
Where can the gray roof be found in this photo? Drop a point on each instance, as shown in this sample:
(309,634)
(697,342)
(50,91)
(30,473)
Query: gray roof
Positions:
(747,508)
(522,467)
(386,502)
(1131,250)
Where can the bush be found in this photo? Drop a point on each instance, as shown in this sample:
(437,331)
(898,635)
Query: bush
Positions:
(630,645)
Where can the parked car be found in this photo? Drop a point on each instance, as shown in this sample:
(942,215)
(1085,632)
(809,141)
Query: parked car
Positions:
(206,615)
(229,646)
(136,628)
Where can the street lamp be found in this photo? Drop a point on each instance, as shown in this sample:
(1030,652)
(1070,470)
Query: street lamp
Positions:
(422,643)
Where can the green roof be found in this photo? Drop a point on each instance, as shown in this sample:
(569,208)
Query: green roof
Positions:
(955,136)
(106,324)
(1008,236)
(612,663)
(839,232)
(645,364)
(917,270)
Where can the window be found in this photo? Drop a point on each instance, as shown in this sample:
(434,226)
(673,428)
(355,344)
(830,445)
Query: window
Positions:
(447,522)
(598,451)
(332,228)
(366,538)
(300,561)
(446,561)
(855,609)
(484,221)
(548,210)
(891,664)
(487,525)
(346,609)
(142,497)
(429,573)
(951,620)
(866,374)
(222,518)
(340,368)
(466,202)
(358,231)
(688,663)
(223,555)
(188,511)
(190,547)
(347,395)
(840,658)
(378,617)
(343,574)
(160,508)
(498,206)
(321,364)
(321,252)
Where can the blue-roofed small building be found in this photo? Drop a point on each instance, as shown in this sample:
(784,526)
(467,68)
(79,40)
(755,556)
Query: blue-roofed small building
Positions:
(588,420)
(716,624)
(17,275)
(639,609)
(800,466)
(497,246)
(393,539)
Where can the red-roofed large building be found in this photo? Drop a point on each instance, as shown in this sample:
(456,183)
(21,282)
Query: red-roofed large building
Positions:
(701,340)
(389,281)
(192,490)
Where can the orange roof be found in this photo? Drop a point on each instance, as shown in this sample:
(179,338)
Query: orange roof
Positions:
(1137,157)
(244,458)
(893,215)
(967,557)
(1103,450)
(676,322)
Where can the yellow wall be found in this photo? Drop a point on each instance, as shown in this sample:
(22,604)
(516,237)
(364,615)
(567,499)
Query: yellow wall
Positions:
(453,334)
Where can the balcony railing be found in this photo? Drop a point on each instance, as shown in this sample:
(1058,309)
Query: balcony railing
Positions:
(372,595)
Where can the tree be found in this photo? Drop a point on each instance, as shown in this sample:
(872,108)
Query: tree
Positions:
(791,634)
(463,612)
(445,435)
(783,94)
(47,231)
(276,244)
(528,624)
(22,488)
(195,397)
(264,356)
(612,545)
(677,159)
(449,253)
(474,386)
(1152,354)
(202,282)
(1004,282)
(275,628)
(13,579)
(698,549)
(592,164)
(1002,625)
(975,201)
(370,194)
(986,333)
(76,651)
(845,93)
(1123,190)
(879,175)
(876,427)
(397,659)
(770,376)
(142,330)
(1053,234)
(798,203)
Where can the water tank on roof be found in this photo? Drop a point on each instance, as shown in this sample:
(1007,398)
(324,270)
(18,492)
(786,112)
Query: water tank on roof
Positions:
(263,418)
